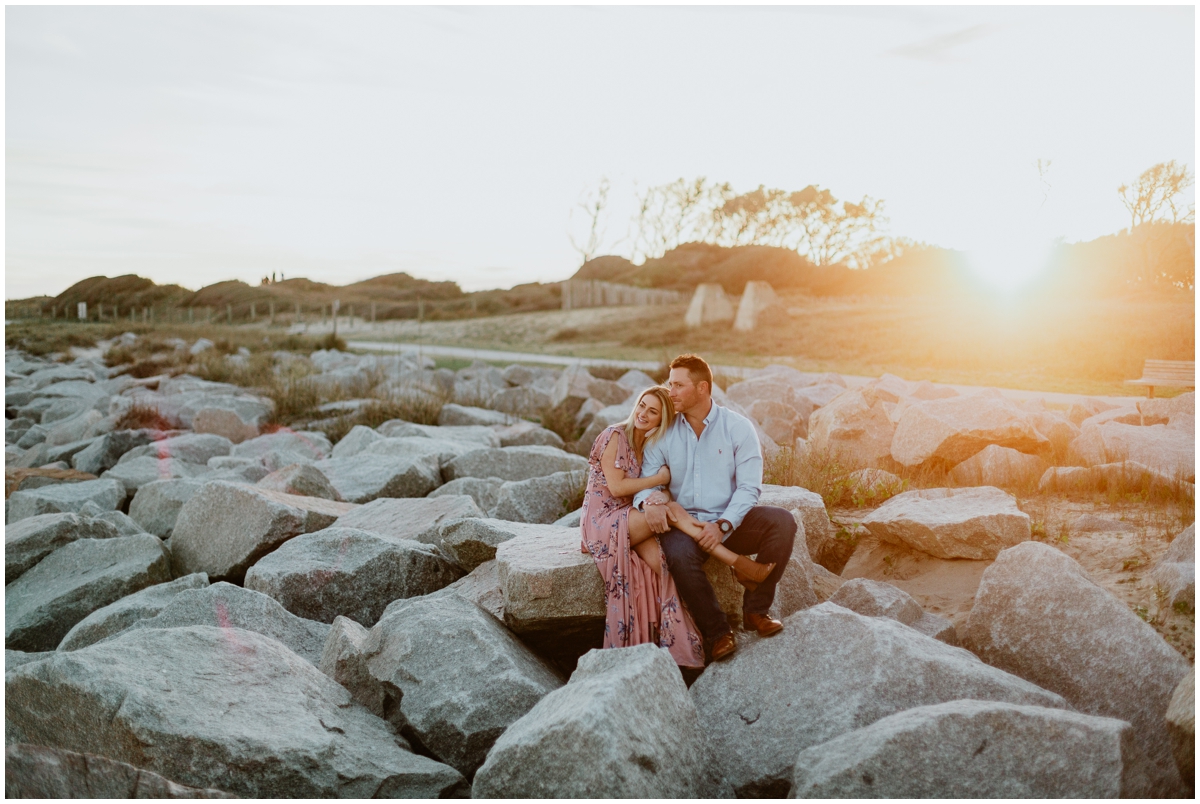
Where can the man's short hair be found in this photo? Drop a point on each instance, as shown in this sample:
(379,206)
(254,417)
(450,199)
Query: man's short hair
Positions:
(696,367)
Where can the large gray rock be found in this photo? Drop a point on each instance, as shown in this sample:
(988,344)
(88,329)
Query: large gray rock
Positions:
(473,541)
(116,617)
(359,438)
(408,447)
(366,477)
(1175,572)
(225,423)
(513,463)
(1038,615)
(35,771)
(998,466)
(457,415)
(225,527)
(483,490)
(147,469)
(156,505)
(575,386)
(445,673)
(417,519)
(526,401)
(475,434)
(65,498)
(30,540)
(829,672)
(44,604)
(854,429)
(1181,725)
(547,583)
(948,431)
(549,588)
(528,434)
(540,500)
(1165,448)
(978,749)
(809,510)
(347,572)
(197,448)
(974,523)
(222,708)
(877,599)
(300,479)
(627,711)
(103,453)
(224,605)
(309,444)
(78,427)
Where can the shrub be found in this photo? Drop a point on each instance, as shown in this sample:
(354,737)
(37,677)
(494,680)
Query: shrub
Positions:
(138,416)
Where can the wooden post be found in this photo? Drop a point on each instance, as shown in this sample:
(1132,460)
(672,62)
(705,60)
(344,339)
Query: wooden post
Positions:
(372,312)
(191,315)
(228,313)
(271,312)
(299,319)
(253,311)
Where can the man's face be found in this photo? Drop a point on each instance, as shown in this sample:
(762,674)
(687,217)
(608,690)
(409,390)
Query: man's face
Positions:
(684,393)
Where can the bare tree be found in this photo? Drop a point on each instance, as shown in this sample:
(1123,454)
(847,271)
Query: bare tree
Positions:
(675,213)
(593,207)
(1155,196)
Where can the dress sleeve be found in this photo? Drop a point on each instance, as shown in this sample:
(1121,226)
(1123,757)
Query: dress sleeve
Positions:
(599,445)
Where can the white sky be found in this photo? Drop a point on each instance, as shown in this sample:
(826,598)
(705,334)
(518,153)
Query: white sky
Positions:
(193,145)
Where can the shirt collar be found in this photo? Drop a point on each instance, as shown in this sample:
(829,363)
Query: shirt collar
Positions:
(712,414)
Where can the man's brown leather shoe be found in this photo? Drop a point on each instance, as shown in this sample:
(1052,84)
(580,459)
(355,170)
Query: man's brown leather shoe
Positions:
(724,647)
(764,624)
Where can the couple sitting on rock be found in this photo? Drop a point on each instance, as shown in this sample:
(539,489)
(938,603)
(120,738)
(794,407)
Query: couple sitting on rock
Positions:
(651,546)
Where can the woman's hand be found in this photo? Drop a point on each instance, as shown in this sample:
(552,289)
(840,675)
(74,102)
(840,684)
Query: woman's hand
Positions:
(658,497)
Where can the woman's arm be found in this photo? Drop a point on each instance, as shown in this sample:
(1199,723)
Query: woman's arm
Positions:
(620,485)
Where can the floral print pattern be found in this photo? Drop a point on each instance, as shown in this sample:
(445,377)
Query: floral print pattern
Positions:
(640,606)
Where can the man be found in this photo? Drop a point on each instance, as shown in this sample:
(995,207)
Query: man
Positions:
(716,474)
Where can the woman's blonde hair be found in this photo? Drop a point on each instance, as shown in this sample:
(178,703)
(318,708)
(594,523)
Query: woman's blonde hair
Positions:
(668,415)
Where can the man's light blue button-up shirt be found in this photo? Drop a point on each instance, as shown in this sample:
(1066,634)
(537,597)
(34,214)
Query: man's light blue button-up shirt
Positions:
(716,476)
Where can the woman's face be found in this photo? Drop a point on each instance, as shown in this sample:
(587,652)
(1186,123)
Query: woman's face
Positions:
(648,413)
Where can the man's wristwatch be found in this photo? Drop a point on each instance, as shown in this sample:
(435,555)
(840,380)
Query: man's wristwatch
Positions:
(725,525)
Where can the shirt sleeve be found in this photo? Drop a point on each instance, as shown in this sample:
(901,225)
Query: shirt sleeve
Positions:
(652,461)
(747,474)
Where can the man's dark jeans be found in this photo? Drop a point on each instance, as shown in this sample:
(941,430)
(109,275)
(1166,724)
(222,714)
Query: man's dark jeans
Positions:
(766,530)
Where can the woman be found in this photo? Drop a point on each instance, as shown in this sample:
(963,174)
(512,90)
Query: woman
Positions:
(641,602)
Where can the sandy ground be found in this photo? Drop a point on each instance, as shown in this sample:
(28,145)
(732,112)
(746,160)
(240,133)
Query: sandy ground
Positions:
(1118,560)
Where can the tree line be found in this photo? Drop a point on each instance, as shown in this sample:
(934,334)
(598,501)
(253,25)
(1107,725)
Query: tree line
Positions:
(829,231)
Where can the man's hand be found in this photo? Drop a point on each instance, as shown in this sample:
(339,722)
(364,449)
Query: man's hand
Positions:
(656,518)
(709,538)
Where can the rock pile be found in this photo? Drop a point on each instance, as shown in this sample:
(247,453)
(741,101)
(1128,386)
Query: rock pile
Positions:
(217,610)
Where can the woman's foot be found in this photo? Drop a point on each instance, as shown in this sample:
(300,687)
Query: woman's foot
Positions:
(750,573)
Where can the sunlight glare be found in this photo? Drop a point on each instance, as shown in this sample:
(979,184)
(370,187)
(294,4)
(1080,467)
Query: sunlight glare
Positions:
(1011,264)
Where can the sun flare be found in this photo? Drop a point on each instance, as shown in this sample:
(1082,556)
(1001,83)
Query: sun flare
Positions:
(1011,264)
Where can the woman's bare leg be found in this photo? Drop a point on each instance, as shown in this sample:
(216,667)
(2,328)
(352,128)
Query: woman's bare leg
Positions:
(642,543)
(681,519)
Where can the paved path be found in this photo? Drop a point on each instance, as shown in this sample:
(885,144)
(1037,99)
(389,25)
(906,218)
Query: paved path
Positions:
(648,365)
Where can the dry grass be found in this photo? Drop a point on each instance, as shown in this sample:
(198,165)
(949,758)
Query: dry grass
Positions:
(1070,346)
(137,417)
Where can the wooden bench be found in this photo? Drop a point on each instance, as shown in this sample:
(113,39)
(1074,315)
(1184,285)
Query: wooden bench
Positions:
(1167,373)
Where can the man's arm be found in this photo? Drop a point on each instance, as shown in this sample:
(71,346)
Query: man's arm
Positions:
(747,473)
(654,459)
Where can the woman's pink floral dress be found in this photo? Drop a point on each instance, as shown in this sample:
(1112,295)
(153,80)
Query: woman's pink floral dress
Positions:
(641,606)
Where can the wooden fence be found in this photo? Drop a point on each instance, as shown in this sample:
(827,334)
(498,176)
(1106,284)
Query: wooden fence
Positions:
(580,293)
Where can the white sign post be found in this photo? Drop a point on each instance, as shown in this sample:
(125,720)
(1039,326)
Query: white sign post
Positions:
(83,311)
